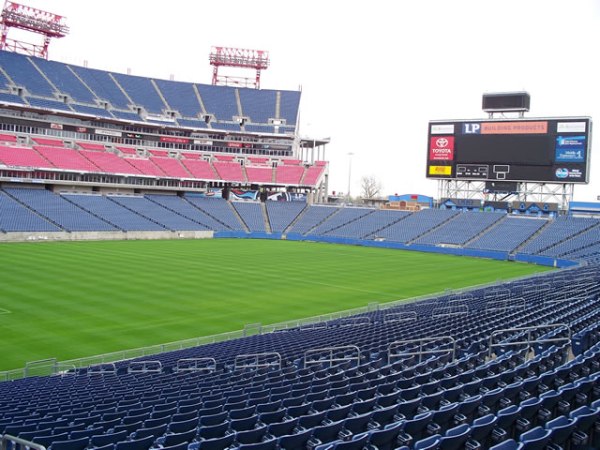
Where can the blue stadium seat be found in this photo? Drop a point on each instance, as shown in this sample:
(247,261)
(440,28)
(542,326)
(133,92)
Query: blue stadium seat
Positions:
(312,420)
(219,443)
(326,433)
(506,425)
(213,419)
(213,431)
(108,438)
(536,438)
(561,428)
(296,441)
(482,430)
(415,429)
(283,428)
(253,436)
(428,443)
(455,438)
(182,446)
(72,444)
(267,445)
(509,444)
(48,440)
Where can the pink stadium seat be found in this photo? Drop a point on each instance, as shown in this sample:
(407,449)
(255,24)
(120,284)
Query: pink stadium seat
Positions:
(224,157)
(312,175)
(190,155)
(162,153)
(258,160)
(146,167)
(110,163)
(229,171)
(8,138)
(91,146)
(259,174)
(48,141)
(200,169)
(171,166)
(23,157)
(321,163)
(65,158)
(127,150)
(289,174)
(291,162)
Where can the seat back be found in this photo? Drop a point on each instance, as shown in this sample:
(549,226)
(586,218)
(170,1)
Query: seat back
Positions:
(178,438)
(294,441)
(386,438)
(72,444)
(536,438)
(455,438)
(109,438)
(136,444)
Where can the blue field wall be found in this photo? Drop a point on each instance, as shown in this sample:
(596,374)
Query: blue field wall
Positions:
(244,235)
(473,253)
(545,261)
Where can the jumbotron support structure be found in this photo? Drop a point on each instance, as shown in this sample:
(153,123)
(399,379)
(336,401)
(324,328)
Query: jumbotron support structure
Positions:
(49,25)
(561,194)
(240,58)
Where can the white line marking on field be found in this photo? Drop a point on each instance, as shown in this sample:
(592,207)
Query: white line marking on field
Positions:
(348,288)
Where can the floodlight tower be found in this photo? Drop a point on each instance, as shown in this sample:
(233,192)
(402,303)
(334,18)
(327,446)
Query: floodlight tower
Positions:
(239,58)
(49,25)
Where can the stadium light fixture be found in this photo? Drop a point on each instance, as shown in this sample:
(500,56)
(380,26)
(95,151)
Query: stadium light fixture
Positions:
(31,20)
(240,58)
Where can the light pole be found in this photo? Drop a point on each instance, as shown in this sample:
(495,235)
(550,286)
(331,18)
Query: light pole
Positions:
(350,154)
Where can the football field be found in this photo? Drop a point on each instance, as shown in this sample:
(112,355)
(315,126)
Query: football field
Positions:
(69,300)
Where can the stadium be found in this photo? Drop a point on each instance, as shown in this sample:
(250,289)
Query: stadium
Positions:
(176,276)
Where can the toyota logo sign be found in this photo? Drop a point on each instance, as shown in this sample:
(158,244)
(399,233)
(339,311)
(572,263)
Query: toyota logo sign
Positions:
(441,142)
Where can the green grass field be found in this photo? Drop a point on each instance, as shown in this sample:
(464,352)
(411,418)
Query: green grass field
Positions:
(75,299)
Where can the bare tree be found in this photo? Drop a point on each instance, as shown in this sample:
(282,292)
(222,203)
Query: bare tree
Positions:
(370,186)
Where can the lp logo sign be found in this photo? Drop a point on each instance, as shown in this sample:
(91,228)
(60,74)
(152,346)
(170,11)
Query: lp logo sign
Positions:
(471,128)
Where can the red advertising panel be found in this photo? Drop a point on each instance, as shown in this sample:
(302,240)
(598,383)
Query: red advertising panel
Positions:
(441,148)
(523,127)
(174,140)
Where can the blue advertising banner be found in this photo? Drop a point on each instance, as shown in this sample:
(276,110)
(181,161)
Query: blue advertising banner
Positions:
(570,149)
(239,194)
(286,197)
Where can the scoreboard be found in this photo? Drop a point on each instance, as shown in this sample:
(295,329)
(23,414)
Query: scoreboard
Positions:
(553,150)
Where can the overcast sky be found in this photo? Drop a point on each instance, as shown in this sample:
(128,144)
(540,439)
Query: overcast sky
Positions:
(372,73)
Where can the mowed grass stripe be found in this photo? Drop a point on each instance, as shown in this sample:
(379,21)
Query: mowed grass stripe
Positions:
(77,299)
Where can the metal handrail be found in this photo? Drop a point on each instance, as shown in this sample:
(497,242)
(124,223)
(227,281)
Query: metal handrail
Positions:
(528,330)
(503,305)
(332,359)
(405,316)
(446,311)
(422,351)
(355,321)
(313,326)
(6,438)
(144,367)
(566,298)
(196,365)
(256,357)
(496,292)
(101,369)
